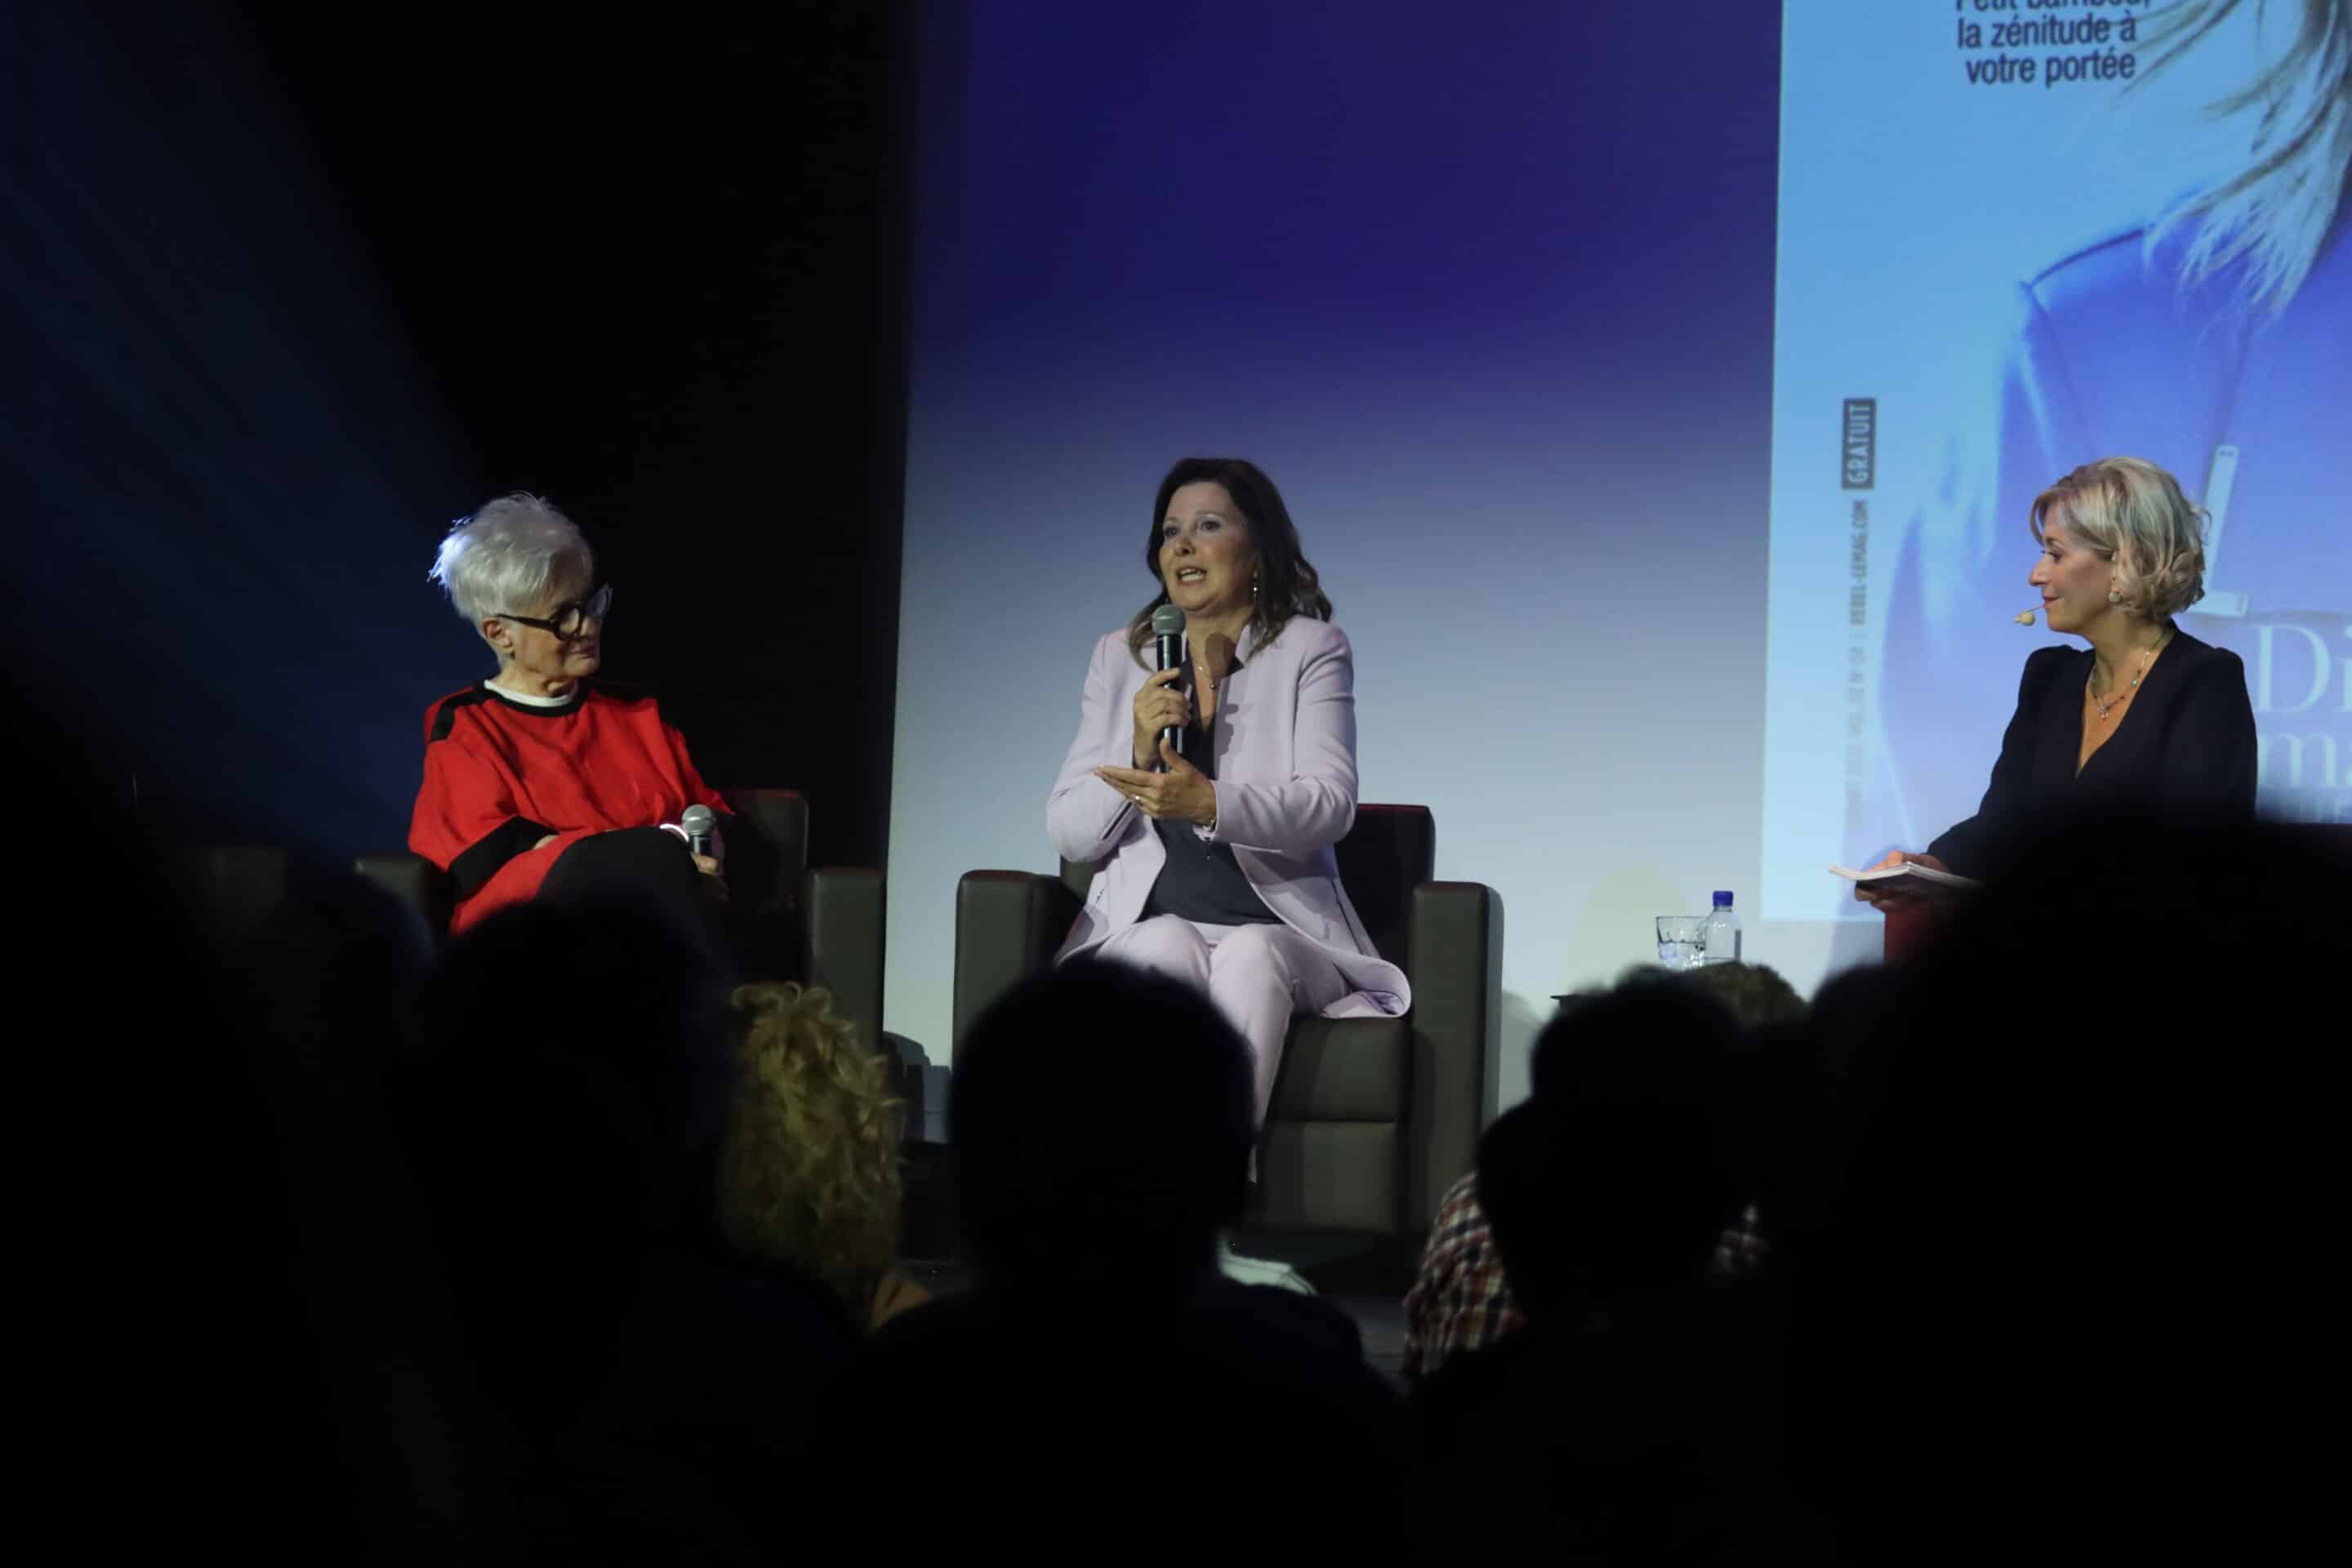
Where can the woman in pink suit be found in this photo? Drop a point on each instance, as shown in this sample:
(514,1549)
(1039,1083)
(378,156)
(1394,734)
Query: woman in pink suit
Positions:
(1213,861)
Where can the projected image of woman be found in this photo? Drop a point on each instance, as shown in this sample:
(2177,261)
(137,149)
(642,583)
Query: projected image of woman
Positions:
(537,781)
(2148,715)
(2213,339)
(1213,857)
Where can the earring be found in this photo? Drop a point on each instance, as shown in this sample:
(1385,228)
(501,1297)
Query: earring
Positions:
(2114,597)
(1252,585)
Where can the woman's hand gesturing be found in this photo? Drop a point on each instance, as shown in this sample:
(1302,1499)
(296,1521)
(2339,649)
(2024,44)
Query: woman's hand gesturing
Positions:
(1161,705)
(1182,793)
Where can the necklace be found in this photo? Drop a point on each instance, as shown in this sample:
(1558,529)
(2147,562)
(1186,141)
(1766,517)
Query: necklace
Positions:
(2147,657)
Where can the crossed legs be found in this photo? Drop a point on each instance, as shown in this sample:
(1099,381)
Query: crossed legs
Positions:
(645,864)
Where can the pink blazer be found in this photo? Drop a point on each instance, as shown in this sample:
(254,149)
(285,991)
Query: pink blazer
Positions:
(1285,792)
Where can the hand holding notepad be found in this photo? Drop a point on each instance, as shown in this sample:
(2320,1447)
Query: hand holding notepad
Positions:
(1909,871)
(1908,878)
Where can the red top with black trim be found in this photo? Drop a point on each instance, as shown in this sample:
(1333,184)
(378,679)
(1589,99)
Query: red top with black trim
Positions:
(501,775)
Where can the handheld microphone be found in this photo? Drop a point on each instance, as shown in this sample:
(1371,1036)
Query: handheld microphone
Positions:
(1168,633)
(698,821)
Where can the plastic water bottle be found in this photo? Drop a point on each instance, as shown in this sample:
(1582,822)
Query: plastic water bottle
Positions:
(1722,932)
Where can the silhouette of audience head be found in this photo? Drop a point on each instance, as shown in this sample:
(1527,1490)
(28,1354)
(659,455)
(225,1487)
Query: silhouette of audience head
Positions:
(2070,1019)
(1611,1179)
(1769,1078)
(808,1173)
(1101,1125)
(558,1103)
(2092,1083)
(328,974)
(1755,995)
(156,1127)
(1813,1086)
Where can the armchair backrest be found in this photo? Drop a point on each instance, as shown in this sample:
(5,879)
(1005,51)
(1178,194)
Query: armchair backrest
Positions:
(781,818)
(1390,851)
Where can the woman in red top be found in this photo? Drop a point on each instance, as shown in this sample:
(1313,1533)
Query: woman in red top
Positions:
(537,781)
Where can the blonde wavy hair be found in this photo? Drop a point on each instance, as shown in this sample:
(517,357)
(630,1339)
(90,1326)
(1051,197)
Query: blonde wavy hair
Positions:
(2135,514)
(808,1168)
(2276,212)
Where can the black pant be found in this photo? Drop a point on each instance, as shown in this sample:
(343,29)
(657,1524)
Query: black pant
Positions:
(647,865)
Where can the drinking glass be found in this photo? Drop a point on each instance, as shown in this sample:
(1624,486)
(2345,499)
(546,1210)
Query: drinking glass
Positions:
(1681,941)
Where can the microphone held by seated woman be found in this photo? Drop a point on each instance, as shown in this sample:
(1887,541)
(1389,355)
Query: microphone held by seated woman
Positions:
(539,782)
(2146,717)
(1213,860)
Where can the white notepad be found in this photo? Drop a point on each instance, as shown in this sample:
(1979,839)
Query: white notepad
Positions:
(1910,876)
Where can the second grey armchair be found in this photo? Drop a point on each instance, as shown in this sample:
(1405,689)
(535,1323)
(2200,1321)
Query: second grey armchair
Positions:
(1372,1118)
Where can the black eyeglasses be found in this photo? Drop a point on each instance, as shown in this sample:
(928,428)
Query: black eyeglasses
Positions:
(568,619)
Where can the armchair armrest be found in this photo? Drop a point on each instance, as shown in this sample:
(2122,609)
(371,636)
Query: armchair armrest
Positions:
(841,913)
(769,867)
(1009,925)
(1453,956)
(419,885)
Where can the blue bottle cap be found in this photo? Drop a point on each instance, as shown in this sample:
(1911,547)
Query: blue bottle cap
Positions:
(1722,901)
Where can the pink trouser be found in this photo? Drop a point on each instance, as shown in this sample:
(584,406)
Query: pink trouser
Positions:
(1259,977)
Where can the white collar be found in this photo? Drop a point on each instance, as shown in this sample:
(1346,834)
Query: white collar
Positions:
(530,701)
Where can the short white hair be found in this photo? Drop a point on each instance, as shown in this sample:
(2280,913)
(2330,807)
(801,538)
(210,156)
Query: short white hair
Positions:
(2135,514)
(506,557)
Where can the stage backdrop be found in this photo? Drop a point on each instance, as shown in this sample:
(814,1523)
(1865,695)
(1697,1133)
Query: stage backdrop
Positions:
(1493,298)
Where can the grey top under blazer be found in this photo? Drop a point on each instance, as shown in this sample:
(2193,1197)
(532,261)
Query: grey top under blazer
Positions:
(1285,748)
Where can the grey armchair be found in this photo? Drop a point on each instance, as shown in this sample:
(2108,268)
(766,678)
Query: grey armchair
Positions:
(822,926)
(1372,1118)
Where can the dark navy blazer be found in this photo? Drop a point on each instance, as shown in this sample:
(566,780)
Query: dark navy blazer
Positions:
(2185,747)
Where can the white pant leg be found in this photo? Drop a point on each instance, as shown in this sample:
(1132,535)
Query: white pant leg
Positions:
(1260,977)
(1164,944)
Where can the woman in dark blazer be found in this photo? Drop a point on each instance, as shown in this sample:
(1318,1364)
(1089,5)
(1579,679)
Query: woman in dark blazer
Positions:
(2147,717)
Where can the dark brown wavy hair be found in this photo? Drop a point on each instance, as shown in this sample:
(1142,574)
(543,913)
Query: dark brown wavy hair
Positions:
(1287,582)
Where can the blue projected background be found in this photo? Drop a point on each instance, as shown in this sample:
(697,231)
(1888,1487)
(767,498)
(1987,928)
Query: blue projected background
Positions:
(1495,303)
